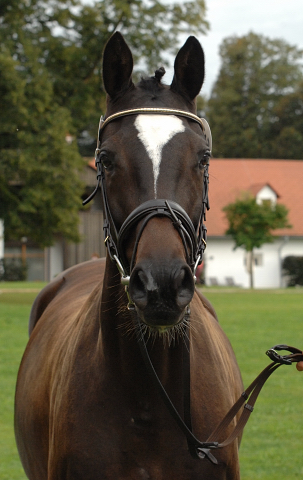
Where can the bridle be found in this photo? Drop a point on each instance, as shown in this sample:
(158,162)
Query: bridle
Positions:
(194,241)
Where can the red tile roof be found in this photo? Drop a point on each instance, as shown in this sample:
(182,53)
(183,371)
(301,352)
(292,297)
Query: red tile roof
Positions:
(230,177)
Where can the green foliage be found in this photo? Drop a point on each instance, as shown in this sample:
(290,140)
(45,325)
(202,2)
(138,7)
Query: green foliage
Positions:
(287,130)
(12,269)
(69,38)
(257,87)
(39,171)
(293,267)
(51,86)
(251,225)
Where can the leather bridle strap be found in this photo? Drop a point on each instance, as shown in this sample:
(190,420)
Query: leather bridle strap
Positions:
(251,394)
(158,208)
(194,244)
(201,449)
(154,111)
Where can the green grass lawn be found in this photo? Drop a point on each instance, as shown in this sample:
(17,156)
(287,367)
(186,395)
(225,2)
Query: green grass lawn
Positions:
(14,313)
(21,286)
(254,321)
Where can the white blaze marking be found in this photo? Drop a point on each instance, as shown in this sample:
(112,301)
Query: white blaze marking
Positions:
(155,131)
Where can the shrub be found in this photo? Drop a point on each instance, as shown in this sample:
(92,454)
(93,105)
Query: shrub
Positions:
(12,269)
(293,268)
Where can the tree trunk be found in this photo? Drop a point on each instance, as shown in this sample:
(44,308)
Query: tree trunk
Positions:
(251,268)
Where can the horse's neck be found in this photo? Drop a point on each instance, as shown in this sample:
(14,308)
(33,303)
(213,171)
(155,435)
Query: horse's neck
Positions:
(119,341)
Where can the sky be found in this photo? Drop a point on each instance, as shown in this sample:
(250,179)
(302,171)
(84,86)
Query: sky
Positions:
(271,18)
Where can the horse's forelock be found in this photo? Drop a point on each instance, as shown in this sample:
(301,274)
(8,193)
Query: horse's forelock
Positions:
(151,84)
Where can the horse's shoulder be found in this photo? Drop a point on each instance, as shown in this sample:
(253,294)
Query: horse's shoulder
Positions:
(206,304)
(83,276)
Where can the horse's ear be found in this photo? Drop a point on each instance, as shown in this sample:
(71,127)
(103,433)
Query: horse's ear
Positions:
(117,66)
(189,69)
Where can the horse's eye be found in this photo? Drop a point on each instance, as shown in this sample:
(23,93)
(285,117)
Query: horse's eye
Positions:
(106,161)
(204,159)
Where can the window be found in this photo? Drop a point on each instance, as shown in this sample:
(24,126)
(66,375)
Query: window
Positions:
(257,259)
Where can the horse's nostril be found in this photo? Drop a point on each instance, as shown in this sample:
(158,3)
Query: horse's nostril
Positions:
(138,288)
(163,289)
(179,278)
(184,285)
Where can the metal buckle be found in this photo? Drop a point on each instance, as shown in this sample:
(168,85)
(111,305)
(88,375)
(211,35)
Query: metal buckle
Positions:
(205,453)
(276,357)
(124,278)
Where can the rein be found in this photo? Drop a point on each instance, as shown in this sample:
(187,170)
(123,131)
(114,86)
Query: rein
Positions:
(246,400)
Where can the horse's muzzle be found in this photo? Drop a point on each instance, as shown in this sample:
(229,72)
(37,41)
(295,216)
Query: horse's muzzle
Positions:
(161,292)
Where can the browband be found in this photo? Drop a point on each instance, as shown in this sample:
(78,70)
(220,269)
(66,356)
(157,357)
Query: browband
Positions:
(158,111)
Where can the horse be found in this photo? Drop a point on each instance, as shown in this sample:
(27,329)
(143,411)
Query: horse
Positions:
(86,404)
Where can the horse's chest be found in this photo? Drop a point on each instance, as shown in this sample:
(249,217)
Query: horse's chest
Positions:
(115,442)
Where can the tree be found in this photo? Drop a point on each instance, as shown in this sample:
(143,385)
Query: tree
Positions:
(51,86)
(255,75)
(39,170)
(286,136)
(251,225)
(71,38)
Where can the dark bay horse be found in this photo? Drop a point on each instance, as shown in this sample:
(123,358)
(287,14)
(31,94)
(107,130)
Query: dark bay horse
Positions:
(86,407)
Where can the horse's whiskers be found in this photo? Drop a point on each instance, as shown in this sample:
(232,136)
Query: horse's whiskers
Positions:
(122,309)
(128,329)
(170,337)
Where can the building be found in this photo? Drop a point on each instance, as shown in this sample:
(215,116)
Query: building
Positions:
(268,180)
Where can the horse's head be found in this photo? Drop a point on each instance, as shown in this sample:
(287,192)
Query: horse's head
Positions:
(152,165)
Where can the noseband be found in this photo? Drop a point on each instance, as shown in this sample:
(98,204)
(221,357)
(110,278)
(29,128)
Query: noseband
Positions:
(194,239)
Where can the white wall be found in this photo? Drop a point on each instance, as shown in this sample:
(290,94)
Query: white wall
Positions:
(54,264)
(268,275)
(222,261)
